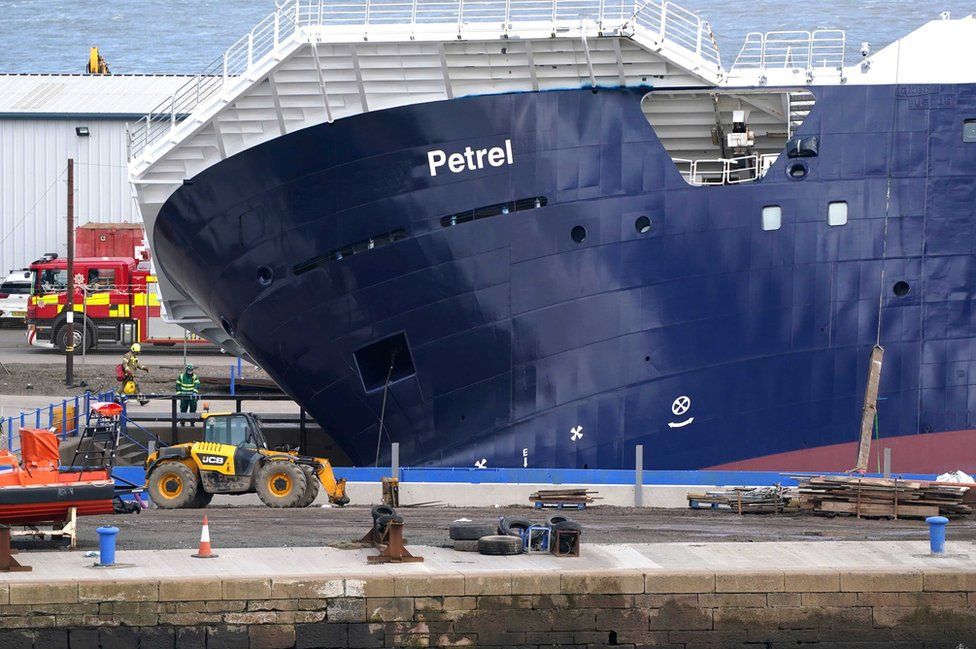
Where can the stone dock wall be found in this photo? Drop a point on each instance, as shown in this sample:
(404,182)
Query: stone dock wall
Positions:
(581,610)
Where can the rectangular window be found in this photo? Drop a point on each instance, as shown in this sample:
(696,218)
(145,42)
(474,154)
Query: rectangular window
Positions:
(101,279)
(15,288)
(772,217)
(969,130)
(837,213)
(54,281)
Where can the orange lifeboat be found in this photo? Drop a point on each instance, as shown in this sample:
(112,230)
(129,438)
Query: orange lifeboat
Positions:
(37,489)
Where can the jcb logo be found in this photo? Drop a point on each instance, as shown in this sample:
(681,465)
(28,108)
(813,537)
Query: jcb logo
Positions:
(212,459)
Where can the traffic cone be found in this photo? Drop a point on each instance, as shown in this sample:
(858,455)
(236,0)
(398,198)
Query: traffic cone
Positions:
(204,551)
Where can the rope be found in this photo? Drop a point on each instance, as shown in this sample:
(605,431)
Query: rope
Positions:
(386,388)
(884,248)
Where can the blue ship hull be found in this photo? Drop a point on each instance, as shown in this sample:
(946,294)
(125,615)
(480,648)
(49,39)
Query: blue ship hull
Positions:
(548,330)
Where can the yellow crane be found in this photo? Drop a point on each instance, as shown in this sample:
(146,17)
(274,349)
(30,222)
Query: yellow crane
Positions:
(96,63)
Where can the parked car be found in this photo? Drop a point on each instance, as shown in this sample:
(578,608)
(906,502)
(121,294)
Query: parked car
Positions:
(14,294)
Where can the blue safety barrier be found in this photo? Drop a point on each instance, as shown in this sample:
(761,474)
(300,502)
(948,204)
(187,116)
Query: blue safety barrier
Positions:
(45,417)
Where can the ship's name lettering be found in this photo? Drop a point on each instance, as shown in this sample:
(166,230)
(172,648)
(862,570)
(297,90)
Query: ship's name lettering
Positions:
(470,159)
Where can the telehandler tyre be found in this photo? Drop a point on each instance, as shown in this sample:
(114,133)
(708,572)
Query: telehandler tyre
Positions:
(173,485)
(281,484)
(311,487)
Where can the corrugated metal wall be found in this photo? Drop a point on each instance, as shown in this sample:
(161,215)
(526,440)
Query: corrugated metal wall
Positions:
(33,183)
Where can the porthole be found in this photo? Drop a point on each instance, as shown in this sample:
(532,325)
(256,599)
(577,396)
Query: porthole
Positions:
(227,326)
(265,275)
(578,233)
(642,225)
(797,170)
(901,289)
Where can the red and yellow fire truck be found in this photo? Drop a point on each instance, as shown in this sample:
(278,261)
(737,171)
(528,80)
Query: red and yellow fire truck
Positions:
(116,303)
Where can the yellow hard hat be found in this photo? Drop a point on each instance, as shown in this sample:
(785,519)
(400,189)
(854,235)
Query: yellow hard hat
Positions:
(136,348)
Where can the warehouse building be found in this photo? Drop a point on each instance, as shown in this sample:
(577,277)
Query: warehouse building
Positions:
(46,119)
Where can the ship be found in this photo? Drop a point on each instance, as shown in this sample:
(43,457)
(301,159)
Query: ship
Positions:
(539,234)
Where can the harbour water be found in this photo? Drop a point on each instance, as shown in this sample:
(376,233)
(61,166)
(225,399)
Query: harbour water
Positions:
(183,36)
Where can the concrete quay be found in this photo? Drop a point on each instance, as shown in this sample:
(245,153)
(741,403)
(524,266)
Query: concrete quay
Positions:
(687,595)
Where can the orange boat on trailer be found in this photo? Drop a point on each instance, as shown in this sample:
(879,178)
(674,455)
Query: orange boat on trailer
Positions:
(39,490)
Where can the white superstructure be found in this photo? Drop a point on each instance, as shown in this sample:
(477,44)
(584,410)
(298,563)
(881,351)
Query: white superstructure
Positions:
(313,61)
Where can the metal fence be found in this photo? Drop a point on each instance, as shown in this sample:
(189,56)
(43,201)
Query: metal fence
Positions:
(669,22)
(64,417)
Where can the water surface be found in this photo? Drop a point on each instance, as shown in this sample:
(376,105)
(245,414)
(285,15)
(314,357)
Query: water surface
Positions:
(183,36)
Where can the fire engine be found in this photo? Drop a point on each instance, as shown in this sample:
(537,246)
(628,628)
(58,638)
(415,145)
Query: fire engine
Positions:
(116,303)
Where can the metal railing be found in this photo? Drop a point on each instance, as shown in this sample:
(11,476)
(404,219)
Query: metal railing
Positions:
(237,61)
(669,23)
(802,50)
(725,171)
(65,417)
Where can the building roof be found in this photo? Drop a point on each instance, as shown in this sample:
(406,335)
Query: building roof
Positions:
(81,94)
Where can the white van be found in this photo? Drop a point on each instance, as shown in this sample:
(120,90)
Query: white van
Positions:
(14,293)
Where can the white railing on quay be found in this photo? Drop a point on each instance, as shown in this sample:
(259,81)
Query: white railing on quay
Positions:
(824,48)
(667,22)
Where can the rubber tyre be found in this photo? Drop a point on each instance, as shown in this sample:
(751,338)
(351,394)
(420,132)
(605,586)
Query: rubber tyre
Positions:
(513,526)
(61,337)
(201,500)
(381,510)
(312,485)
(281,484)
(173,485)
(499,545)
(383,521)
(556,518)
(466,546)
(472,530)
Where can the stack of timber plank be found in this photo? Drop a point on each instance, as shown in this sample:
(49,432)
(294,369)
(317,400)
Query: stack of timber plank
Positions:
(571,498)
(748,500)
(880,497)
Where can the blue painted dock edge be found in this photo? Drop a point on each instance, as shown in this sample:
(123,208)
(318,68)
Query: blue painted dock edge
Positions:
(557,476)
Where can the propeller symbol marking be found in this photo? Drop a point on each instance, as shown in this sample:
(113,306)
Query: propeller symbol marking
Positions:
(576,433)
(482,463)
(680,406)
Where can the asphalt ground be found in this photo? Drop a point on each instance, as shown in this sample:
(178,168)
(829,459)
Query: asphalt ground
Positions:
(315,526)
(14,349)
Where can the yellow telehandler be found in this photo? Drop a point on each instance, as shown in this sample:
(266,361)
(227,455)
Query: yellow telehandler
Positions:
(234,459)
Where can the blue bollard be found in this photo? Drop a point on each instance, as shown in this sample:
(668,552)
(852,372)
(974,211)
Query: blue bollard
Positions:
(106,545)
(937,533)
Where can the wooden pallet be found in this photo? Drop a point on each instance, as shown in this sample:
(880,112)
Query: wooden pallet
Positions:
(563,498)
(747,500)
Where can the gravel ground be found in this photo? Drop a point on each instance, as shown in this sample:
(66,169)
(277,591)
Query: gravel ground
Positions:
(264,527)
(48,379)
